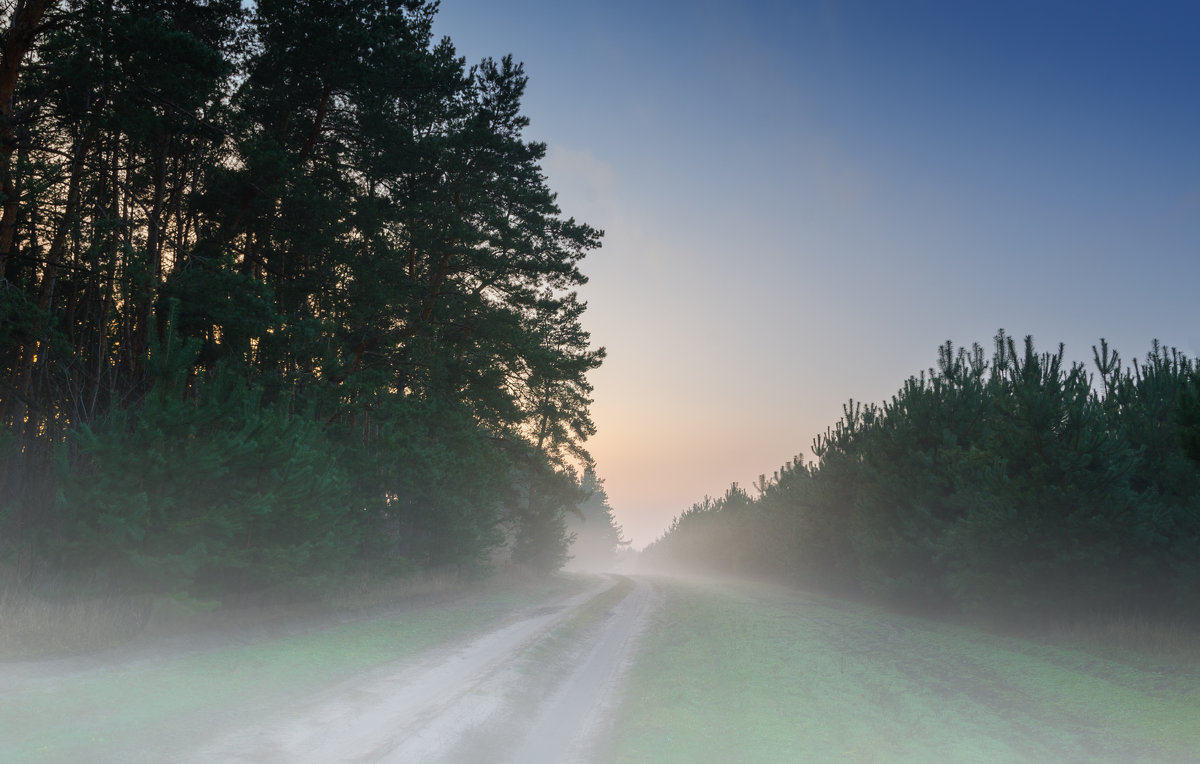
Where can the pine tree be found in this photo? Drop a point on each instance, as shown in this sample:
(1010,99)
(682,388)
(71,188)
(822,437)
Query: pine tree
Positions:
(598,539)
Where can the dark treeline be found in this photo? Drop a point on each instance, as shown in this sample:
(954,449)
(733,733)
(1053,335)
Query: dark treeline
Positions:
(1019,484)
(284,296)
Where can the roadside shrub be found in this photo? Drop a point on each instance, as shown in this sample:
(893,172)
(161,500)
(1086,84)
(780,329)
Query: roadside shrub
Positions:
(206,488)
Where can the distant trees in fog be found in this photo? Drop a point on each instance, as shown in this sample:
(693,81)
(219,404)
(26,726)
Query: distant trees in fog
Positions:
(1018,483)
(596,537)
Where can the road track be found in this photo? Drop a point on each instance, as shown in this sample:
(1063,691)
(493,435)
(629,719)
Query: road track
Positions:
(514,693)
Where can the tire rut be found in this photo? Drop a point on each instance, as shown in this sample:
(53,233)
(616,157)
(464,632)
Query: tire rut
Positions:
(425,710)
(570,725)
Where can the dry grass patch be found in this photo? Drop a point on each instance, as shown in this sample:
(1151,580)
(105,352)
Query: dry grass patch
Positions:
(35,625)
(1141,637)
(31,625)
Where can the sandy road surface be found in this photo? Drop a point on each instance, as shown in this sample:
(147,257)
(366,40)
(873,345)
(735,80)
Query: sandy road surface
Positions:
(516,693)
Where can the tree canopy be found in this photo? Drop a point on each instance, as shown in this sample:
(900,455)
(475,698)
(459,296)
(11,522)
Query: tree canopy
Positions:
(1019,484)
(284,290)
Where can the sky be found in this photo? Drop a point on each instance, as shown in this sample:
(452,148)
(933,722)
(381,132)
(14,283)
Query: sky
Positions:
(802,200)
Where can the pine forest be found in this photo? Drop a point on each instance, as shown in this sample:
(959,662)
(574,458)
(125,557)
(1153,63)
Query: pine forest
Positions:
(1015,486)
(285,297)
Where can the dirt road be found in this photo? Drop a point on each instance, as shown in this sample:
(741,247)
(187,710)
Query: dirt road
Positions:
(535,689)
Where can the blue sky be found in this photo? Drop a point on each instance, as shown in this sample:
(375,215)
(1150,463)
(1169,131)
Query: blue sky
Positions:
(802,200)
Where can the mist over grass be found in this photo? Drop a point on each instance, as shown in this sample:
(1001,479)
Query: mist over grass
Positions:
(45,622)
(160,697)
(744,672)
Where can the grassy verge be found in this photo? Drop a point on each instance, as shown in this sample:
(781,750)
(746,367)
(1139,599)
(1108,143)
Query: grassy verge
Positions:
(35,625)
(102,715)
(731,672)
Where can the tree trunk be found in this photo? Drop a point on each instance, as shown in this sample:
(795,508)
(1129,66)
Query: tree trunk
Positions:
(18,38)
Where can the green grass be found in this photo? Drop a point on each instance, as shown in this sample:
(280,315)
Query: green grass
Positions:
(59,622)
(734,672)
(101,715)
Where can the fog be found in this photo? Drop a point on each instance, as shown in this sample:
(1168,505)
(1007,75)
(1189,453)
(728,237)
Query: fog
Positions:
(649,665)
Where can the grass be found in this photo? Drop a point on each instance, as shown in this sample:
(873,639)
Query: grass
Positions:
(34,625)
(734,672)
(1124,636)
(102,715)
